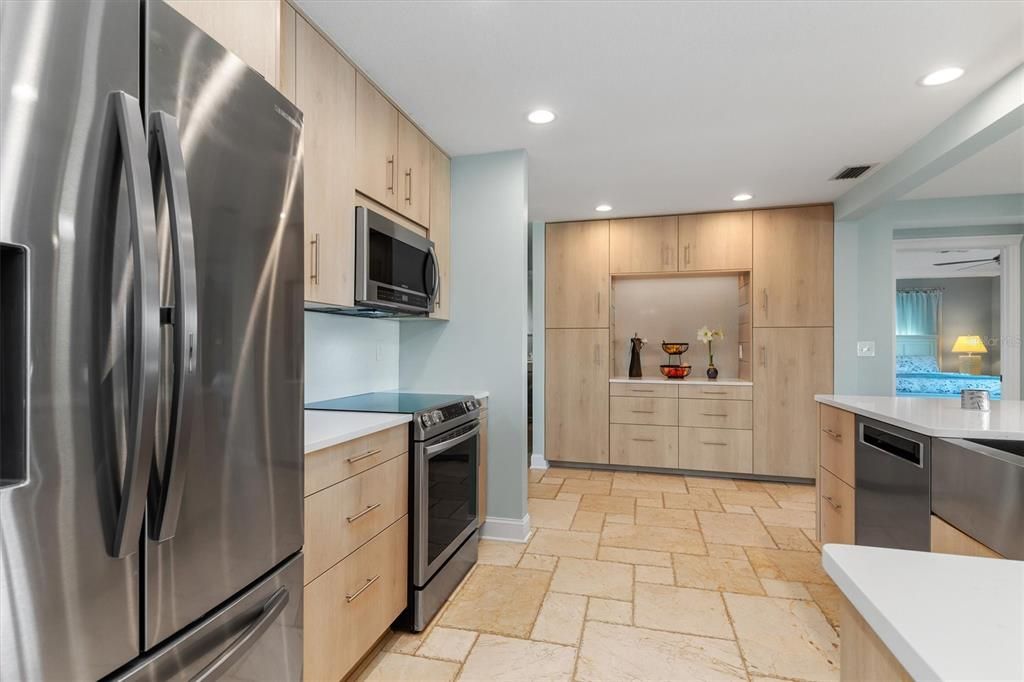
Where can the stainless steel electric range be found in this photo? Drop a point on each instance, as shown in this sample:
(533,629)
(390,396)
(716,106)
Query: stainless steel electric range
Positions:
(444,443)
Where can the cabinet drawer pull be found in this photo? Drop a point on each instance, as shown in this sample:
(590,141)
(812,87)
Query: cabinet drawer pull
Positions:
(371,453)
(366,511)
(643,440)
(641,390)
(713,442)
(831,502)
(642,411)
(832,434)
(712,414)
(712,392)
(369,581)
(389,170)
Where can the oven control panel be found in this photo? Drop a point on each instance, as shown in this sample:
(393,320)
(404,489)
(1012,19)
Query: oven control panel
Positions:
(448,412)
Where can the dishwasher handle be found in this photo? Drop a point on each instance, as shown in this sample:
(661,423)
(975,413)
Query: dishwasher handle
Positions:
(892,444)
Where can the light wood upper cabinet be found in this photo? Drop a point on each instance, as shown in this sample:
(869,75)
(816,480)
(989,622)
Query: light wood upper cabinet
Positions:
(576,272)
(376,154)
(249,28)
(577,365)
(715,241)
(413,172)
(643,245)
(792,273)
(441,227)
(790,366)
(325,90)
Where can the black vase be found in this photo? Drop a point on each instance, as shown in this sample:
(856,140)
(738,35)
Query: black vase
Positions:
(712,372)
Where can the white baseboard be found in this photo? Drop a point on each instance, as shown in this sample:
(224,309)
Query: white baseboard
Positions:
(506,530)
(537,461)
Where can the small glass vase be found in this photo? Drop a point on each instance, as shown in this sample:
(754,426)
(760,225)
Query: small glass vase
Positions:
(712,371)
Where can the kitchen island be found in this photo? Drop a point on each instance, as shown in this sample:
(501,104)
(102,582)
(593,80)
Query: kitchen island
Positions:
(936,417)
(927,616)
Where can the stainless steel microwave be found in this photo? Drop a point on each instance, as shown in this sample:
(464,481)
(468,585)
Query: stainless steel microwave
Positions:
(396,269)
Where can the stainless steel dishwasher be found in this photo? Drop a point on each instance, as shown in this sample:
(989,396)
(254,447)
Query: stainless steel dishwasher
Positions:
(978,487)
(892,499)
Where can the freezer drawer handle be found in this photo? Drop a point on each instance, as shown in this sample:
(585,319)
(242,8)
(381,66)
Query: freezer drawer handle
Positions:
(250,635)
(363,513)
(349,598)
(169,167)
(371,453)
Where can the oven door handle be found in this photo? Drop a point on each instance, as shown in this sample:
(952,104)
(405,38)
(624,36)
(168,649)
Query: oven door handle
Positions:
(448,444)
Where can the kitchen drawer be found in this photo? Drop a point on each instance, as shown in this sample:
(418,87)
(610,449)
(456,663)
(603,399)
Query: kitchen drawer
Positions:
(727,450)
(718,414)
(338,462)
(836,442)
(344,516)
(643,390)
(644,446)
(349,607)
(835,509)
(650,411)
(716,392)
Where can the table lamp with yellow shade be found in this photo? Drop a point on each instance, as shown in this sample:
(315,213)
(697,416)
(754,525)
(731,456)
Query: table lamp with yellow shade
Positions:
(969,363)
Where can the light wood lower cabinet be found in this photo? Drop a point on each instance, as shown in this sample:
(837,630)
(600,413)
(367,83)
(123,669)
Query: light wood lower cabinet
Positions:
(344,516)
(653,411)
(576,275)
(482,478)
(715,241)
(836,442)
(576,395)
(715,391)
(716,414)
(644,245)
(338,462)
(835,510)
(643,390)
(646,446)
(862,655)
(947,539)
(726,450)
(350,606)
(791,365)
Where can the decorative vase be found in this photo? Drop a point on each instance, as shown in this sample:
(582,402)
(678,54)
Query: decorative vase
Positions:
(712,372)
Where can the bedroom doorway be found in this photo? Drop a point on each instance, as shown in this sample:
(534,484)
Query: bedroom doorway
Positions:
(957,315)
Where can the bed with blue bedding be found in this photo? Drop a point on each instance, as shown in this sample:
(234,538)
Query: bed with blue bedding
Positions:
(919,375)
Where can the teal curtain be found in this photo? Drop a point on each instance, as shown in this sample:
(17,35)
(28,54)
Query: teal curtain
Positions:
(917,313)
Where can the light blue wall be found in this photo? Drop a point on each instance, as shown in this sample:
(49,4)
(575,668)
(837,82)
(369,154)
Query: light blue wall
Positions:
(864,283)
(537,309)
(484,345)
(349,355)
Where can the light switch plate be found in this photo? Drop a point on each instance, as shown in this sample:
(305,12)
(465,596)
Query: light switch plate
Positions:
(865,349)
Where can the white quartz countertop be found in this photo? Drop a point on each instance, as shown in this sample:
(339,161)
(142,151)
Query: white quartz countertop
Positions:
(939,417)
(943,617)
(692,379)
(325,428)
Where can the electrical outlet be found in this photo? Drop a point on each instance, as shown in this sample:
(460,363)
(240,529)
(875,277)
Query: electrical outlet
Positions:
(865,349)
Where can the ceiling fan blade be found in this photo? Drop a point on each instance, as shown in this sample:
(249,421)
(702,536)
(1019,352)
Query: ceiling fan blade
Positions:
(976,265)
(976,260)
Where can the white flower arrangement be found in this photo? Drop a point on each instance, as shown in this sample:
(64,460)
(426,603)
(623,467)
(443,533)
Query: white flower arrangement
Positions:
(706,335)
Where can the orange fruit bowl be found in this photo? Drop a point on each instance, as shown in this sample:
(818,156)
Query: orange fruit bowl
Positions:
(675,371)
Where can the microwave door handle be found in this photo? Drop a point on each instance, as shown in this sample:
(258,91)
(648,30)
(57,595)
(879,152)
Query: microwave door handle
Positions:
(435,285)
(448,444)
(165,150)
(127,123)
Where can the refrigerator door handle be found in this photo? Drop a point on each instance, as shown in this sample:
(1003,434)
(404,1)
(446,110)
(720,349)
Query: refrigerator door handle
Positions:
(169,168)
(145,324)
(245,641)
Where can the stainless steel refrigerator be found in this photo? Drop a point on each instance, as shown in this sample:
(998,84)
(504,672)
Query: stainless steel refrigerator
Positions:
(151,351)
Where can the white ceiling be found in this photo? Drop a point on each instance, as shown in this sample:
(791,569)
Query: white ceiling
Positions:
(922,264)
(676,106)
(996,169)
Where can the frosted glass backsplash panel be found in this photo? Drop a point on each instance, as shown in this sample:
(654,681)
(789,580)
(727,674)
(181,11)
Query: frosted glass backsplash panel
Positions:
(672,309)
(349,355)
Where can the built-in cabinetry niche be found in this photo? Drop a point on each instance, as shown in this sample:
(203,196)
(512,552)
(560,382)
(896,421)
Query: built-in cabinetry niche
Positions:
(672,308)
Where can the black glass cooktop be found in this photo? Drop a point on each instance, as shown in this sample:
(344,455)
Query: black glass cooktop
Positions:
(403,403)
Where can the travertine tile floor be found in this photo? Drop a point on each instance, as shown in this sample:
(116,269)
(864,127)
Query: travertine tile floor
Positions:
(633,576)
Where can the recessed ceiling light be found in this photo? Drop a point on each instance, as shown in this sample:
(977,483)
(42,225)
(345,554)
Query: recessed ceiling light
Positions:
(943,76)
(540,116)
(603,208)
(743,196)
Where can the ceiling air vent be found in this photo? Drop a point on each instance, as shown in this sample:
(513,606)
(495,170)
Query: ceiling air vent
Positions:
(851,172)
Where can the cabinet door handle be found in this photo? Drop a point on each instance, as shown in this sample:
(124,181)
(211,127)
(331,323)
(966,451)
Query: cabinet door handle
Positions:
(764,356)
(408,185)
(366,511)
(597,355)
(643,440)
(369,581)
(832,434)
(314,256)
(389,172)
(356,458)
(764,298)
(831,502)
(686,255)
(712,442)
(597,304)
(713,414)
